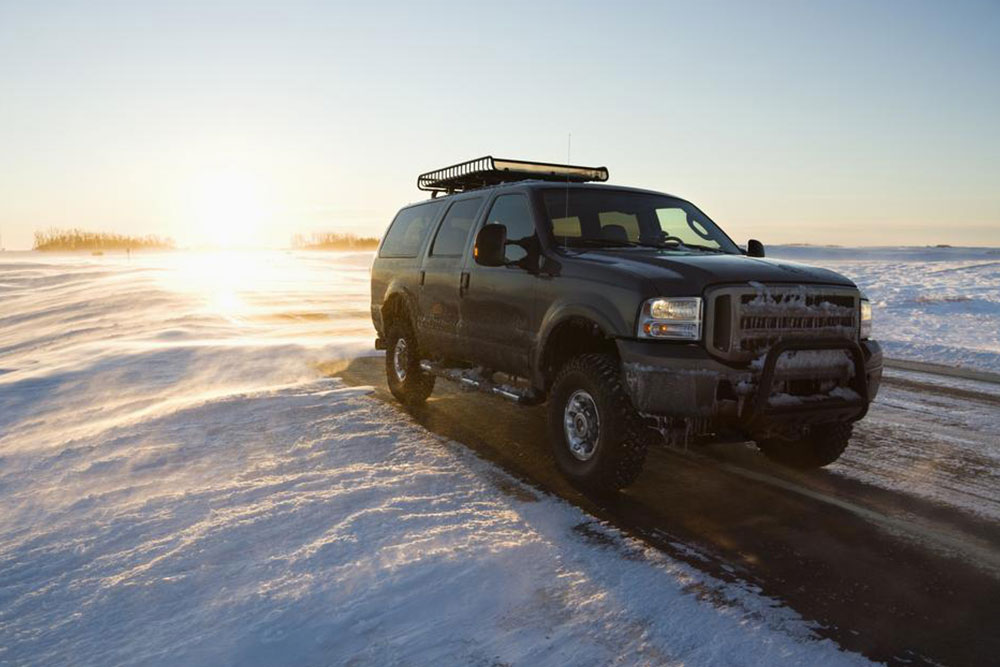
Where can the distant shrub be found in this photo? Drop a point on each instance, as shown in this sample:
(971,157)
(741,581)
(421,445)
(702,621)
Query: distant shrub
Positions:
(333,241)
(78,239)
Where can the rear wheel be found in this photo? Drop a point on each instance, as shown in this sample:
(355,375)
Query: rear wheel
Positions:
(598,439)
(406,380)
(821,445)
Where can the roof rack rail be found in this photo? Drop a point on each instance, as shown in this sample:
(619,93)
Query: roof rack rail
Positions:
(486,171)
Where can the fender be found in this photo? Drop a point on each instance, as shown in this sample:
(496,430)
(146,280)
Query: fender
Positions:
(396,289)
(598,309)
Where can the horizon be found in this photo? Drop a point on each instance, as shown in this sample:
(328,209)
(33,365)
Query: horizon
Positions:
(246,123)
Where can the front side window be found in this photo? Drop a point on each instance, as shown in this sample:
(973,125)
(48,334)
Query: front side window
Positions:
(454,230)
(616,218)
(513,212)
(409,229)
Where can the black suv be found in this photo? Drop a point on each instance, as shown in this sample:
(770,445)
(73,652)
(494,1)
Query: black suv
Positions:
(628,310)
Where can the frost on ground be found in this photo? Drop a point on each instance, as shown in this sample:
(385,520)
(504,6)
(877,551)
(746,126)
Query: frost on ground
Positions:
(181,485)
(931,444)
(940,305)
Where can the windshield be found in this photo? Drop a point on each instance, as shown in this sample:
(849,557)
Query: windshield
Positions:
(616,218)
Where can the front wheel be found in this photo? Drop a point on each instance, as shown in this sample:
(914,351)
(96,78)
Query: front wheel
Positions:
(821,445)
(598,439)
(406,380)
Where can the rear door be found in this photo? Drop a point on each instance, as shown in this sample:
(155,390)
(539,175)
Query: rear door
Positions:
(397,262)
(499,306)
(442,279)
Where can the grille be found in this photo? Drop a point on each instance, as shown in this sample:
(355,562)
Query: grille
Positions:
(744,321)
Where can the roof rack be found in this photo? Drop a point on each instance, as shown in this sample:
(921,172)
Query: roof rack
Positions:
(485,171)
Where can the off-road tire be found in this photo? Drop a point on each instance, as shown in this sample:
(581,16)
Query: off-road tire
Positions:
(623,439)
(821,445)
(417,385)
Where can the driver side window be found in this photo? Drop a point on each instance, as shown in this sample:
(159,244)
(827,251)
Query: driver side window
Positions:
(513,212)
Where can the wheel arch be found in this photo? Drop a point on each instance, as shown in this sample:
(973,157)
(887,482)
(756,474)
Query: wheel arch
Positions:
(569,332)
(398,303)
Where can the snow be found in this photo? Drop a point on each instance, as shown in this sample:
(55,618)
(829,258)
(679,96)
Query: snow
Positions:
(930,444)
(797,360)
(185,481)
(845,393)
(782,399)
(939,305)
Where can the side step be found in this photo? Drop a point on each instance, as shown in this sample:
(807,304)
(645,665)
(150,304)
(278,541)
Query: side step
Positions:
(471,379)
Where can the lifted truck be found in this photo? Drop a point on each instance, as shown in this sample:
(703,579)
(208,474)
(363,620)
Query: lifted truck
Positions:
(629,311)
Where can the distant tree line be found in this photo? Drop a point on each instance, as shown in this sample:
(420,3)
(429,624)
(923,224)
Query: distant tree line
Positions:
(77,239)
(333,241)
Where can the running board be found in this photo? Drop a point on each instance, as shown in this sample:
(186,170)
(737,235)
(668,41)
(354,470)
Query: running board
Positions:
(471,380)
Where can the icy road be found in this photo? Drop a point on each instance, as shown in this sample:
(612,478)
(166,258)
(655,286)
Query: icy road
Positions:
(199,465)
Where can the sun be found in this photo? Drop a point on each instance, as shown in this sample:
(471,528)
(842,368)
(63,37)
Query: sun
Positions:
(229,208)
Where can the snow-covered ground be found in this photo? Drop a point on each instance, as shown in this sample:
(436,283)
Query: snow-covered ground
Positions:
(183,482)
(940,305)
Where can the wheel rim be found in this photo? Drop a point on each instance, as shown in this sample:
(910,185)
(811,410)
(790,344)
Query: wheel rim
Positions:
(400,359)
(582,425)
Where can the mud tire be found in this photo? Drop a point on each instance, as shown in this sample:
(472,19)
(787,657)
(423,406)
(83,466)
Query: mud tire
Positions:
(417,385)
(822,445)
(622,439)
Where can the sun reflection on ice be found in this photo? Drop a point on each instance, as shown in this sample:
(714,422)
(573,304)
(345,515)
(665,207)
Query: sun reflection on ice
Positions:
(221,280)
(263,297)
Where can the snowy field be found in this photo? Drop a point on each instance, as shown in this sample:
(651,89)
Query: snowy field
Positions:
(940,305)
(186,481)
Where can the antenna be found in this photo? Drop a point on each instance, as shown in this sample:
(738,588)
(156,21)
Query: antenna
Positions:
(569,150)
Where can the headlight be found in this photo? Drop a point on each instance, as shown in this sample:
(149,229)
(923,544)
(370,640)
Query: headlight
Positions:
(674,318)
(865,328)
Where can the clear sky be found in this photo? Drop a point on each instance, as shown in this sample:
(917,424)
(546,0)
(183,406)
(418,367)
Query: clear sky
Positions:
(856,123)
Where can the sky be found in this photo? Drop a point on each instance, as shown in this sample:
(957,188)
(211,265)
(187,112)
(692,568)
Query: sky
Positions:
(243,123)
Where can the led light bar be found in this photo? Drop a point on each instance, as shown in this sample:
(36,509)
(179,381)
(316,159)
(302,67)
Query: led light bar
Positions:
(486,171)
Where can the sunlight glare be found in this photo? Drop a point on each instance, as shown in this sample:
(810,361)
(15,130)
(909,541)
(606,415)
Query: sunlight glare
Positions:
(218,279)
(230,208)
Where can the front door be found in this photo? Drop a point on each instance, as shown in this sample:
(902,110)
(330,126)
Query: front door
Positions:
(498,307)
(441,279)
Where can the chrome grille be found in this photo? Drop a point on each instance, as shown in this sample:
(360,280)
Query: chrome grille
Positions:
(743,321)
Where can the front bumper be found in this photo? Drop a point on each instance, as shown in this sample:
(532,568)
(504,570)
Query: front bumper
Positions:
(683,380)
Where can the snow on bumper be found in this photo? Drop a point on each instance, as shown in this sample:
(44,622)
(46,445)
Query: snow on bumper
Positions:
(685,381)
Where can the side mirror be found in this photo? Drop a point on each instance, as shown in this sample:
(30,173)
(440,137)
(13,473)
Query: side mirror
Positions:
(755,248)
(491,245)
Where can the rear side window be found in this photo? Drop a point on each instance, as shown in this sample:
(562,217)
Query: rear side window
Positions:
(454,231)
(409,229)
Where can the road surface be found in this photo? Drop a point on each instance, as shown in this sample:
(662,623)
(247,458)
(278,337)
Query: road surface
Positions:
(894,551)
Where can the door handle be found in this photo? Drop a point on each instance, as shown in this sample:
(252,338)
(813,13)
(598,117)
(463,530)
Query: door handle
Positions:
(422,273)
(463,283)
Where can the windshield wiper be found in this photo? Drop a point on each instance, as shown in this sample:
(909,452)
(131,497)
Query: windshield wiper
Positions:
(706,248)
(591,242)
(681,246)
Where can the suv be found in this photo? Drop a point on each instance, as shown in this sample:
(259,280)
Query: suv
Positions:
(629,311)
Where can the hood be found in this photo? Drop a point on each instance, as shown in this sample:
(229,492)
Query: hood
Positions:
(674,274)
